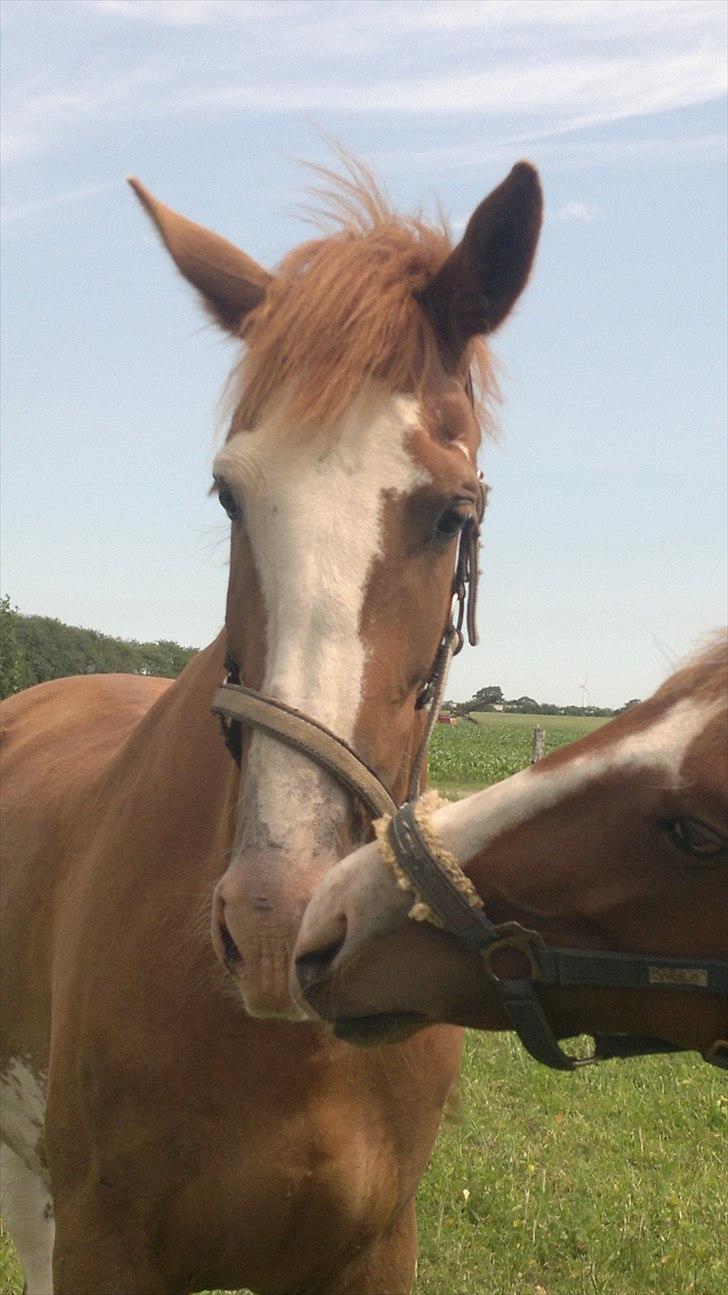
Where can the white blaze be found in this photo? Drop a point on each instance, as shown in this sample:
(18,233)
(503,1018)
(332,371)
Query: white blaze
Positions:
(313,514)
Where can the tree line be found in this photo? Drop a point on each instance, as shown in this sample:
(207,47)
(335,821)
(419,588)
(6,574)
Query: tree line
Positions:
(34,649)
(491,698)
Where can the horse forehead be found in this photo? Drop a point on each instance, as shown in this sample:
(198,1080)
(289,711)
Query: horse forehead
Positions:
(372,449)
(706,759)
(671,737)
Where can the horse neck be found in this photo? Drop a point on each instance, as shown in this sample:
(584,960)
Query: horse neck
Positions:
(177,751)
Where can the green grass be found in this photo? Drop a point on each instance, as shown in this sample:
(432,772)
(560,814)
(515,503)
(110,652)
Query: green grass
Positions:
(11,1280)
(607,1182)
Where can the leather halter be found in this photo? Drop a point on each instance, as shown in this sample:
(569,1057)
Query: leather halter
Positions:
(518,961)
(237,705)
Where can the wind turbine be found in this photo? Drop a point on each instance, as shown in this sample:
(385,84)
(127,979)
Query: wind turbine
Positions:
(584,691)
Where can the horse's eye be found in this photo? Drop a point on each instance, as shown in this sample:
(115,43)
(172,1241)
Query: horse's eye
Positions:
(451,522)
(228,501)
(696,838)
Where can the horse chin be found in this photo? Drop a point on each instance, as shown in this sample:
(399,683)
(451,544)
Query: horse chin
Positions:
(292,1013)
(385,1027)
(269,1001)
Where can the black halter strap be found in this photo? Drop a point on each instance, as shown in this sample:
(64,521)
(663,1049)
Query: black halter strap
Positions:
(518,961)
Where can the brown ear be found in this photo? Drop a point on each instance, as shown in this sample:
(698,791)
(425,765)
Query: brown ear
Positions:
(231,283)
(483,277)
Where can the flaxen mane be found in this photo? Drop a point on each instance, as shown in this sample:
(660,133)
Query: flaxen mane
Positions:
(341,310)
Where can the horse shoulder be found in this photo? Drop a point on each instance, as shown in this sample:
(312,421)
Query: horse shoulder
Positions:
(57,740)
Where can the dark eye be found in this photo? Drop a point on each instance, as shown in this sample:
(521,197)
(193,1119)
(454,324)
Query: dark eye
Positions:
(451,522)
(228,501)
(696,838)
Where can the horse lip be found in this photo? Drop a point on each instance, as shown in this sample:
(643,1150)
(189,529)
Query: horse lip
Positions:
(382,1027)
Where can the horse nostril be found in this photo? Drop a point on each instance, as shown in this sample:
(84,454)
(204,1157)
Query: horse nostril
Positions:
(316,966)
(230,951)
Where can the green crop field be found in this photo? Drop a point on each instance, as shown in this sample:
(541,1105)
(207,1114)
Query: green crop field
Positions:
(466,756)
(607,1182)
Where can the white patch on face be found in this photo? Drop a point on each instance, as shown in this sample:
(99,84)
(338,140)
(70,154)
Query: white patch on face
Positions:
(470,825)
(22,1112)
(27,1212)
(313,514)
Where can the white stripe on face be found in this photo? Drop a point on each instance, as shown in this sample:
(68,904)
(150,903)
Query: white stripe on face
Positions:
(471,824)
(313,514)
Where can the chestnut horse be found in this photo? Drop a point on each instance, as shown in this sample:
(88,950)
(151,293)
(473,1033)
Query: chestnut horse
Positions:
(589,894)
(169,1112)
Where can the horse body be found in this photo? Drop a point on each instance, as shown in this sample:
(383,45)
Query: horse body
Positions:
(170,1108)
(237,1149)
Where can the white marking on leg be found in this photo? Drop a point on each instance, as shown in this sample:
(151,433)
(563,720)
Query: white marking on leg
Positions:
(22,1113)
(27,1212)
(467,826)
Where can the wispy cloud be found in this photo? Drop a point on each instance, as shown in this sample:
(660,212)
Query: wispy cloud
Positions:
(582,91)
(554,66)
(585,211)
(177,13)
(574,15)
(23,210)
(552,149)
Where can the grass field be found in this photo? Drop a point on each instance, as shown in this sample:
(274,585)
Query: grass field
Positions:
(607,1182)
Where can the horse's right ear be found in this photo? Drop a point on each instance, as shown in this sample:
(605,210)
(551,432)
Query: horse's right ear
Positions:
(231,283)
(483,277)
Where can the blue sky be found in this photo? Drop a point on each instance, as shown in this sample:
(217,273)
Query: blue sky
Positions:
(605,542)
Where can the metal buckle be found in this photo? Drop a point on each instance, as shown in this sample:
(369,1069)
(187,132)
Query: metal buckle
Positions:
(516,937)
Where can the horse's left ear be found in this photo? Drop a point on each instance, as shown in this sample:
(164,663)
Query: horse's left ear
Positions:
(483,277)
(231,283)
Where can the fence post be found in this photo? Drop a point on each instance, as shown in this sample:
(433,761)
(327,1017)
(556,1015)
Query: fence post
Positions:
(539,740)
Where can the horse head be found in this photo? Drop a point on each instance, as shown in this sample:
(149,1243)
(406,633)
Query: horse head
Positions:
(348,474)
(595,895)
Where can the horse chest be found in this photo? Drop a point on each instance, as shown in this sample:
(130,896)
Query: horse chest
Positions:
(245,1195)
(243,1162)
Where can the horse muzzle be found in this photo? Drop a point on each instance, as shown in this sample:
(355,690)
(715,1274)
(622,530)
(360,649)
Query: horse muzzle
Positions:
(256,914)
